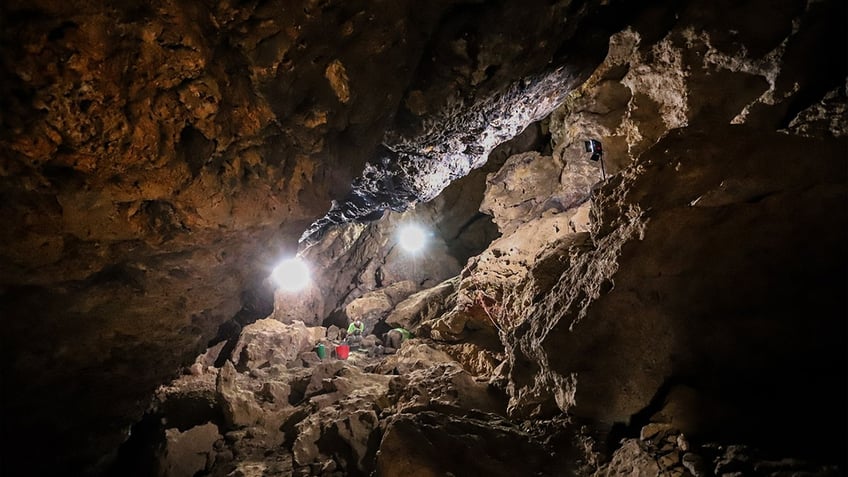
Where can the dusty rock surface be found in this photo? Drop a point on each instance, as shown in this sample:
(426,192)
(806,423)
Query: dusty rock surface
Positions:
(325,417)
(158,158)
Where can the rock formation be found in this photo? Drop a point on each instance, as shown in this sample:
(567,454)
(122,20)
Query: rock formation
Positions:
(678,308)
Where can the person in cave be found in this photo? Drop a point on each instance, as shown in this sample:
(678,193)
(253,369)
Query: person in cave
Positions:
(394,338)
(354,333)
(228,332)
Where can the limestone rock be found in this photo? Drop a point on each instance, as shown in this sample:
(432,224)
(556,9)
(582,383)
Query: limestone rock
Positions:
(694,464)
(159,158)
(369,307)
(530,186)
(477,360)
(209,358)
(346,415)
(322,380)
(658,455)
(422,306)
(276,392)
(188,395)
(654,431)
(374,306)
(333,332)
(647,287)
(269,342)
(531,252)
(434,444)
(236,400)
(414,354)
(399,291)
(352,426)
(445,385)
(307,359)
(825,118)
(187,453)
(630,459)
(156,160)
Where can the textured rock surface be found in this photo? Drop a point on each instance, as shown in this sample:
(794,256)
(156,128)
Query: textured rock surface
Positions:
(691,278)
(431,444)
(324,420)
(644,276)
(186,453)
(157,159)
(269,342)
(663,450)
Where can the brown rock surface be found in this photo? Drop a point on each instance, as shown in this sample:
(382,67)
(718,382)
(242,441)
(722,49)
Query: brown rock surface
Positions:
(668,453)
(157,159)
(665,304)
(269,342)
(432,444)
(187,453)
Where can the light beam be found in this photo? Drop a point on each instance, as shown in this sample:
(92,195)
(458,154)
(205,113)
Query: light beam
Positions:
(291,274)
(412,237)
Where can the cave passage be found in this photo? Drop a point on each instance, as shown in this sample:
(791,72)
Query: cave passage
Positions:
(632,254)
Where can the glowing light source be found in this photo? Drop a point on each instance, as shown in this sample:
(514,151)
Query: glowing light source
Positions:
(291,274)
(412,237)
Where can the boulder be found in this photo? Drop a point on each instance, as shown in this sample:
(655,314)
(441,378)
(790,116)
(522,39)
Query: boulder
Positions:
(346,403)
(369,308)
(235,398)
(631,460)
(346,431)
(187,453)
(275,392)
(423,306)
(663,450)
(321,380)
(269,342)
(531,186)
(445,385)
(375,305)
(333,332)
(399,291)
(430,444)
(413,354)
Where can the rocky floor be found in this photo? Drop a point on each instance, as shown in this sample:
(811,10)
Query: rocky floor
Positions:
(277,409)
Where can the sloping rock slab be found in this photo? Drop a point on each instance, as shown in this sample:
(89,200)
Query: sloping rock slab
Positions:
(429,444)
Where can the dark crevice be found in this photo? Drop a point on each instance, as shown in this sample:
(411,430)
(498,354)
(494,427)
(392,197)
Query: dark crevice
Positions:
(137,457)
(464,227)
(760,197)
(194,149)
(59,32)
(631,429)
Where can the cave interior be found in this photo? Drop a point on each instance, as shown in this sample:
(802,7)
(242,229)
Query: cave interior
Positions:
(632,256)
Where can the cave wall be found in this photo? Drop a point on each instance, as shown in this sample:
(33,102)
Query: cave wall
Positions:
(701,286)
(708,292)
(158,158)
